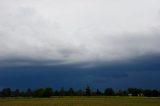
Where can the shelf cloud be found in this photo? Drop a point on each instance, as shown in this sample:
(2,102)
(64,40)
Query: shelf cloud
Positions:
(74,43)
(53,32)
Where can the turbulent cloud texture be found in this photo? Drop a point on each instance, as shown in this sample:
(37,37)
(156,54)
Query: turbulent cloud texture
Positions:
(77,31)
(74,43)
(143,72)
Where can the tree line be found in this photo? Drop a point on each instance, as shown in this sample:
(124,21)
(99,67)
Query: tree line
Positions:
(48,92)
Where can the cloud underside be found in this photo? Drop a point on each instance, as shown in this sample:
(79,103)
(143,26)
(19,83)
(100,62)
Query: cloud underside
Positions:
(60,32)
(142,73)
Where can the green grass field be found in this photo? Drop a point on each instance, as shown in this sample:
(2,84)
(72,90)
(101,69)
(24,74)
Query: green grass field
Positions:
(81,101)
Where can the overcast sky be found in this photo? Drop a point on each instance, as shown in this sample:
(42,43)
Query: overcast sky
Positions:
(85,32)
(78,30)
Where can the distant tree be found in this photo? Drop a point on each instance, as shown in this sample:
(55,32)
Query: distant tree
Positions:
(0,93)
(88,91)
(48,92)
(56,93)
(16,93)
(155,93)
(71,92)
(122,93)
(22,93)
(39,92)
(29,92)
(148,92)
(62,92)
(98,92)
(109,92)
(80,93)
(43,92)
(6,92)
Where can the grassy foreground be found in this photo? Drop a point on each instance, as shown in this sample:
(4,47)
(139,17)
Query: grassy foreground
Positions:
(81,101)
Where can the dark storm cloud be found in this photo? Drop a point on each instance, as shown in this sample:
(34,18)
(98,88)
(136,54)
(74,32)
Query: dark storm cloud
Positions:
(141,72)
(58,43)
